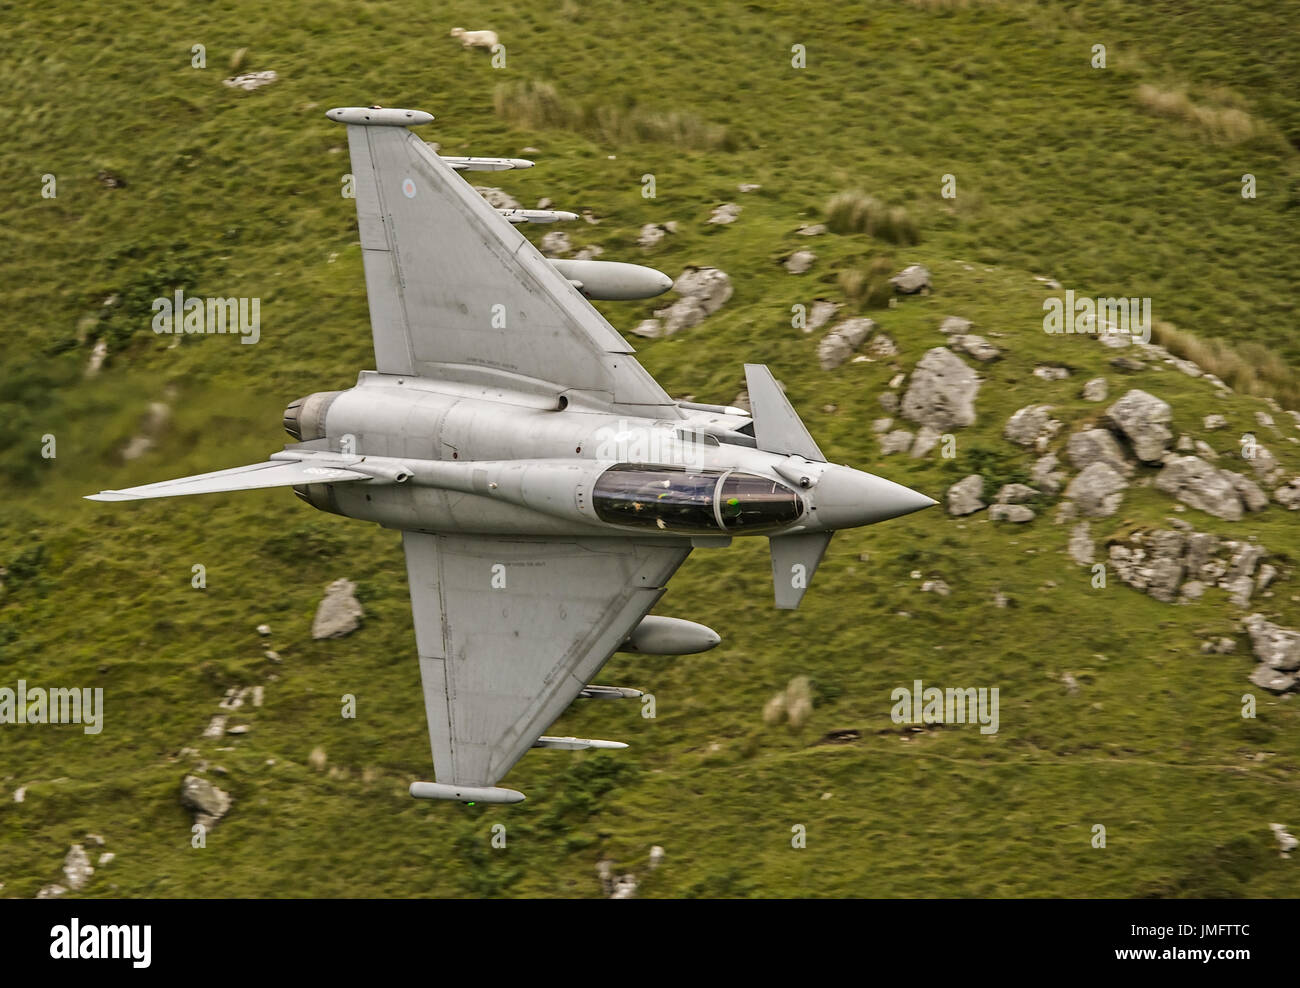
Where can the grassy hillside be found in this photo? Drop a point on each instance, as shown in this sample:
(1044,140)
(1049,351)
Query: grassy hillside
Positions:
(168,179)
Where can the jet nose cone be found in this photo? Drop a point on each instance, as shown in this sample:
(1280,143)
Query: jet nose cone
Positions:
(663,282)
(847,498)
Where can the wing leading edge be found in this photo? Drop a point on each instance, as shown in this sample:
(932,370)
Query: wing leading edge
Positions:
(454,289)
(509,632)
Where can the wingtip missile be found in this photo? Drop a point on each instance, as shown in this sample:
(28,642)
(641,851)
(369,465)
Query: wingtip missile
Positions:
(610,693)
(576,744)
(517,216)
(467,164)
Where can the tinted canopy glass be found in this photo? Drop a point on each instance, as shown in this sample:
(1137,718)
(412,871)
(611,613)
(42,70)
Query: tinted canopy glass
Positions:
(673,499)
(748,503)
(667,498)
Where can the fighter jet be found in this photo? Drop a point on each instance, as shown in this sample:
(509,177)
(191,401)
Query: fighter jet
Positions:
(545,486)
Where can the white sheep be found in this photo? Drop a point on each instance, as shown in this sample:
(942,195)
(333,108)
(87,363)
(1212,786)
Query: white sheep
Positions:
(475,39)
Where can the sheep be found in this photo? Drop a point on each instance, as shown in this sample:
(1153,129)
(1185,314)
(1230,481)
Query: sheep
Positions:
(475,39)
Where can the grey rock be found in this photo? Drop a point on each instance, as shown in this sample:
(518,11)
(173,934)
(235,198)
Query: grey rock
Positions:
(1197,484)
(840,342)
(1143,418)
(927,437)
(1239,590)
(941,392)
(1081,549)
(497,198)
(1097,491)
(1213,422)
(1031,427)
(881,425)
(1016,513)
(800,261)
(820,314)
(881,347)
(974,346)
(702,292)
(556,243)
(1051,372)
(1015,494)
(1095,390)
(966,496)
(251,80)
(208,803)
(1268,678)
(889,401)
(339,612)
(812,230)
(77,868)
(651,234)
(1097,446)
(912,279)
(1047,478)
(1288,495)
(1275,646)
(651,329)
(898,441)
(955,325)
(724,214)
(1252,498)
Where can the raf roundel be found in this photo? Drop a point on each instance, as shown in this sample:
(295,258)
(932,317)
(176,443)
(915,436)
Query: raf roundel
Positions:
(408,188)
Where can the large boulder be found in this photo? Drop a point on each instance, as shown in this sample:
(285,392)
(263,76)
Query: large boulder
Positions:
(703,291)
(1144,420)
(1095,389)
(845,337)
(1199,485)
(1031,427)
(821,312)
(1097,445)
(1097,491)
(941,392)
(339,612)
(966,496)
(208,802)
(1275,646)
(1047,478)
(912,279)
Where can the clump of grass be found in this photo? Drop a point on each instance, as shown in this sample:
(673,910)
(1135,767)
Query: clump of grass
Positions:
(857,212)
(1225,124)
(1250,368)
(868,286)
(539,105)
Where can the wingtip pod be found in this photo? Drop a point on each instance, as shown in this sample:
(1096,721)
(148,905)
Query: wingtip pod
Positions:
(465,794)
(378,116)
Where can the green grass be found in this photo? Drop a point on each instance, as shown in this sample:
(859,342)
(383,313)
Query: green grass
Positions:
(1061,172)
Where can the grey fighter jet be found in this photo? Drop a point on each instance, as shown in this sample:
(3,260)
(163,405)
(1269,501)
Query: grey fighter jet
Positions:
(545,486)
